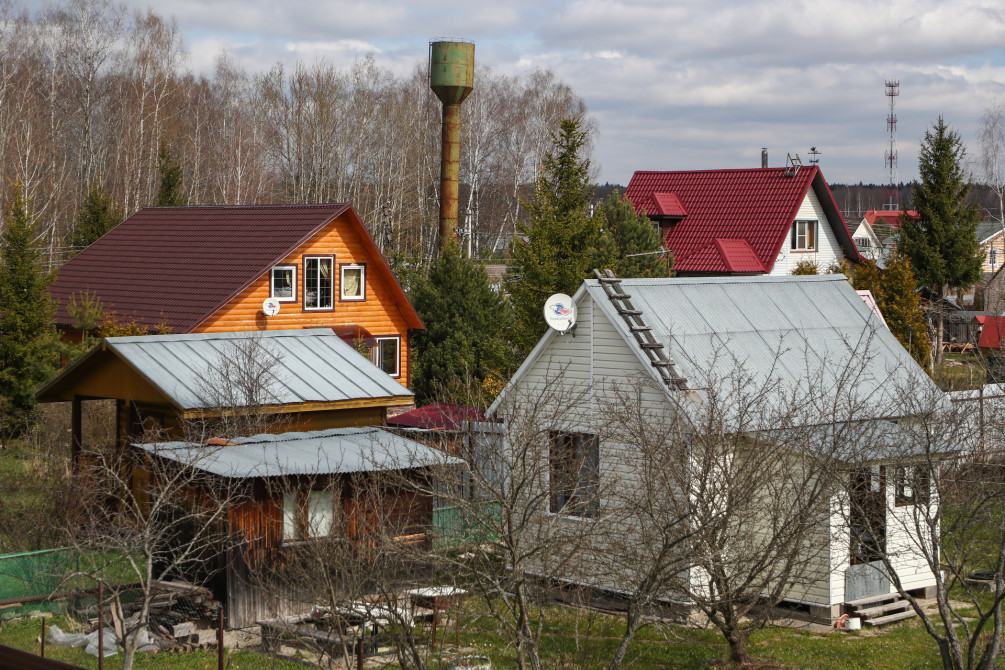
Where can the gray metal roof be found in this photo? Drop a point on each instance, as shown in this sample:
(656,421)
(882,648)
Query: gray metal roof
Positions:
(312,365)
(804,333)
(319,452)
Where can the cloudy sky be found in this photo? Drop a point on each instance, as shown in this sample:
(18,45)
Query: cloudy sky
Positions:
(672,84)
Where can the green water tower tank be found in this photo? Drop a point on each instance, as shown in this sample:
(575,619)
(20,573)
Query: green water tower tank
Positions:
(451,70)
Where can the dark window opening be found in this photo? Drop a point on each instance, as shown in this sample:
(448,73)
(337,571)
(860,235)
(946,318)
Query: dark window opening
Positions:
(575,462)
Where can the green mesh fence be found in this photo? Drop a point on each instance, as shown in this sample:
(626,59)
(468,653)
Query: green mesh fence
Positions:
(465,525)
(35,573)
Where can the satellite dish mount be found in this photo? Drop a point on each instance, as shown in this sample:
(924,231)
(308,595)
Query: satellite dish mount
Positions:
(560,314)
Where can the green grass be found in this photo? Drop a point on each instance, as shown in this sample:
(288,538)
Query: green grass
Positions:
(972,374)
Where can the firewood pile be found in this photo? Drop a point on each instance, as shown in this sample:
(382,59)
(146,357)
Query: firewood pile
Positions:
(177,611)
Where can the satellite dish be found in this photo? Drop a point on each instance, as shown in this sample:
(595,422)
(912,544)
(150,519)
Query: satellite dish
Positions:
(560,313)
(270,307)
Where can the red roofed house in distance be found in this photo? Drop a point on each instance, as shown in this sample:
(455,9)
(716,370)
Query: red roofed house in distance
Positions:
(744,222)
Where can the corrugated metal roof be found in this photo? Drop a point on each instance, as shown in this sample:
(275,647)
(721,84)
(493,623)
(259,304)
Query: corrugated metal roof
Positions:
(756,205)
(801,332)
(312,365)
(175,266)
(319,452)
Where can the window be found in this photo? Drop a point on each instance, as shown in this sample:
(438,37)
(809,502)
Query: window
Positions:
(353,282)
(804,235)
(310,515)
(863,242)
(283,283)
(912,486)
(318,283)
(386,355)
(573,485)
(867,514)
(993,257)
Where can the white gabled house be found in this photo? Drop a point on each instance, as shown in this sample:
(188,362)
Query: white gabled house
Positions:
(807,337)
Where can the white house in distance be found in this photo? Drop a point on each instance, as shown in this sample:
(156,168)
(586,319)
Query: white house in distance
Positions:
(796,332)
(744,222)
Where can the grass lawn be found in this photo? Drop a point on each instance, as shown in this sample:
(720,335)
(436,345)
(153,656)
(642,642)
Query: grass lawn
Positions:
(960,372)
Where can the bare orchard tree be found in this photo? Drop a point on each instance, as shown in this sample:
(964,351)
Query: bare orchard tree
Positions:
(154,513)
(239,387)
(524,508)
(991,157)
(931,509)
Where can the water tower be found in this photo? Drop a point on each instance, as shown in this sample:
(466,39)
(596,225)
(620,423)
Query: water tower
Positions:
(451,76)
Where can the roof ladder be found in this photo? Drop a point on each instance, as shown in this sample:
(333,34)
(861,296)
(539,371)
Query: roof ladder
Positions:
(643,333)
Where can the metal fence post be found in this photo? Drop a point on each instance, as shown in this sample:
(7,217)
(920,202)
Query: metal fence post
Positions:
(219,639)
(43,637)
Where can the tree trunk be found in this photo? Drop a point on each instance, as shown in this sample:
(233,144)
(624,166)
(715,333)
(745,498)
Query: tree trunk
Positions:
(738,647)
(632,618)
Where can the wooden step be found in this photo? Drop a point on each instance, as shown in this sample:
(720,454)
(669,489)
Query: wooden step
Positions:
(890,618)
(855,604)
(870,612)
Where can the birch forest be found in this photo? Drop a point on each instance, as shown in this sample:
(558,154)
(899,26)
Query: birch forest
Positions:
(92,95)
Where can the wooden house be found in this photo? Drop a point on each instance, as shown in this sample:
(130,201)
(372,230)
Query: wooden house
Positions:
(298,488)
(305,379)
(802,336)
(211,269)
(744,222)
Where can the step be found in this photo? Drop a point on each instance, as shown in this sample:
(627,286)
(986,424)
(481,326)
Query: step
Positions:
(854,604)
(870,612)
(890,618)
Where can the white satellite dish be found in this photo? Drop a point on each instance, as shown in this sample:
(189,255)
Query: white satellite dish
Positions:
(560,313)
(270,307)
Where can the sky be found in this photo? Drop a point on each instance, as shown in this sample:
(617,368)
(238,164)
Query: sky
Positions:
(672,85)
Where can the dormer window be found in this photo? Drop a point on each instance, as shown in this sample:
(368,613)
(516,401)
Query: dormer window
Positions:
(804,236)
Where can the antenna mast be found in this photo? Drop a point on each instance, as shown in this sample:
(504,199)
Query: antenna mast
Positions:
(892,192)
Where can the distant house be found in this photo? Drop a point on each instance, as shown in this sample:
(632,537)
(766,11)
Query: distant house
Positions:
(875,235)
(791,333)
(992,246)
(744,222)
(210,269)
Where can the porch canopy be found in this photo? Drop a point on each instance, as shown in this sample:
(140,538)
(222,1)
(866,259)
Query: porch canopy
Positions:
(318,452)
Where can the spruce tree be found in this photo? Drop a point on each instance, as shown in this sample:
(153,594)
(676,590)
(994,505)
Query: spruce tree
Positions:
(94,218)
(466,323)
(637,239)
(560,243)
(29,346)
(942,244)
(169,194)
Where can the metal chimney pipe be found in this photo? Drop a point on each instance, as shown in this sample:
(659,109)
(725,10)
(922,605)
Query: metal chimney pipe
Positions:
(764,157)
(451,76)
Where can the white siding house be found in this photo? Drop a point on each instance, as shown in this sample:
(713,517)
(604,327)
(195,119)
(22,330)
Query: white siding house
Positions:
(797,333)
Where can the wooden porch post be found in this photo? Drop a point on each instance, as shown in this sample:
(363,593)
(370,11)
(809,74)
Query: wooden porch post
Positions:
(76,432)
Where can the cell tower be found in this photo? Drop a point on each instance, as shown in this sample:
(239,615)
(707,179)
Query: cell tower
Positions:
(892,192)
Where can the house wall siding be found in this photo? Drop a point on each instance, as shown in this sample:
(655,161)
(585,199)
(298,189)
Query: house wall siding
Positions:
(828,250)
(379,314)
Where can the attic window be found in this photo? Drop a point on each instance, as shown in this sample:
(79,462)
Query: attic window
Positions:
(574,474)
(319,282)
(283,283)
(353,282)
(804,236)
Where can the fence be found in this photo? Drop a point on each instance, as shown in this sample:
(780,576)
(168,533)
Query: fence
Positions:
(35,574)
(464,525)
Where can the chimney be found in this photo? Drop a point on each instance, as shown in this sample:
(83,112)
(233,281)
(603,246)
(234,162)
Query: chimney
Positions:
(764,157)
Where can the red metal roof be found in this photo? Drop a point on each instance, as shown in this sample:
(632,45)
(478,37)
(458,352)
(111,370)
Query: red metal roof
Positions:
(667,204)
(889,216)
(176,266)
(438,416)
(992,333)
(756,206)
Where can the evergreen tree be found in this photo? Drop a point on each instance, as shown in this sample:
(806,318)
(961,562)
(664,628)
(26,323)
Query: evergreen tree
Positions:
(896,294)
(169,194)
(942,245)
(634,234)
(561,243)
(94,218)
(466,322)
(29,346)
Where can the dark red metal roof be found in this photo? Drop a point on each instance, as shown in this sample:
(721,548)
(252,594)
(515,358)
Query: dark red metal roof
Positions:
(438,416)
(889,216)
(176,266)
(667,204)
(756,206)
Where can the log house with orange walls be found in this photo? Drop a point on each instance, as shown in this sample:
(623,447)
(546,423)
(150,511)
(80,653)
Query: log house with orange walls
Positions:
(210,269)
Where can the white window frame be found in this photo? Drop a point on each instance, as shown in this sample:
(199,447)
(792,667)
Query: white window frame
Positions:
(272,282)
(362,282)
(799,238)
(331,305)
(993,257)
(378,359)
